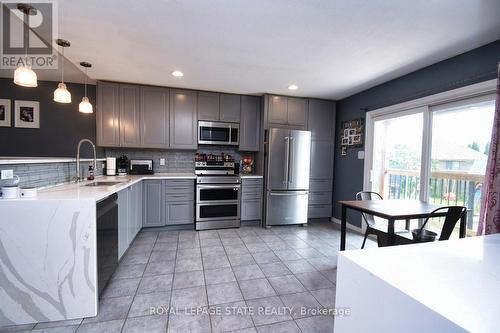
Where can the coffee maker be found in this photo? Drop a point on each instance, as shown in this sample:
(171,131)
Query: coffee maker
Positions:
(122,165)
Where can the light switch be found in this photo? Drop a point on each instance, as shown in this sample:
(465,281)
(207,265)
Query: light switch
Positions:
(361,155)
(7,174)
(162,161)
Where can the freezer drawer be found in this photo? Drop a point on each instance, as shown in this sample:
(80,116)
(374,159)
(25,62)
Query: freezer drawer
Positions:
(286,207)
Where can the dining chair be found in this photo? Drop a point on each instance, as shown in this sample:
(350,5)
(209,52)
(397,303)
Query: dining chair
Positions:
(372,226)
(420,235)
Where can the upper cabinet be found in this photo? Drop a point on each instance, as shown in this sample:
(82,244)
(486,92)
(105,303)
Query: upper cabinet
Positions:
(155,117)
(219,107)
(290,112)
(129,116)
(108,114)
(321,119)
(250,123)
(183,119)
(230,108)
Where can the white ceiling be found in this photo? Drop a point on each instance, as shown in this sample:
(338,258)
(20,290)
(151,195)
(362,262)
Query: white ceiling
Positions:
(329,48)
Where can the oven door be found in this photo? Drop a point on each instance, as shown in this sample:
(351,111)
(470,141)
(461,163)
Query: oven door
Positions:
(216,194)
(218,211)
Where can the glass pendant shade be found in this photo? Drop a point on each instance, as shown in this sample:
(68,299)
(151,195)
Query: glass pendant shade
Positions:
(24,76)
(85,106)
(61,94)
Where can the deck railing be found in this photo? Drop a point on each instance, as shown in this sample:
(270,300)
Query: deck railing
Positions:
(446,188)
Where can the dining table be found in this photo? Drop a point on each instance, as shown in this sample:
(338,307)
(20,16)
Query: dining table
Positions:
(392,211)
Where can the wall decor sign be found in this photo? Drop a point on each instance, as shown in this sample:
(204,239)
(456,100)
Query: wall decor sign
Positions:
(351,134)
(5,113)
(27,114)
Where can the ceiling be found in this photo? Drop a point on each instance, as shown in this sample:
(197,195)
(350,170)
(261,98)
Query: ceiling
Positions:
(329,48)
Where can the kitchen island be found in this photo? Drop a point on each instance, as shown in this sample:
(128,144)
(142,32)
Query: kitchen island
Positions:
(447,286)
(48,251)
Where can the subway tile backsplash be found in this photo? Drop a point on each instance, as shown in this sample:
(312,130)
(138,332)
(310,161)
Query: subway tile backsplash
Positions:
(48,174)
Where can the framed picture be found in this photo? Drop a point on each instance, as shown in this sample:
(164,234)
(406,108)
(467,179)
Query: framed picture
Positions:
(356,139)
(5,113)
(27,114)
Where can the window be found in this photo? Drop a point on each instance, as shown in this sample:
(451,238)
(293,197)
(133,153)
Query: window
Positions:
(436,152)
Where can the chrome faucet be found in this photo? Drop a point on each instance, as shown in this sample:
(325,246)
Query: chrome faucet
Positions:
(78,178)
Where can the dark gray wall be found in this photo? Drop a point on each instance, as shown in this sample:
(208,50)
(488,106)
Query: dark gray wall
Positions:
(465,69)
(61,125)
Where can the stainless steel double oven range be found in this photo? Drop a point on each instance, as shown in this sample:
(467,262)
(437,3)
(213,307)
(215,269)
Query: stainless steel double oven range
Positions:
(218,193)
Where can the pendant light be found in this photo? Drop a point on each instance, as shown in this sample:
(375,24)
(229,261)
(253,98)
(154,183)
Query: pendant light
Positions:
(85,106)
(61,94)
(24,76)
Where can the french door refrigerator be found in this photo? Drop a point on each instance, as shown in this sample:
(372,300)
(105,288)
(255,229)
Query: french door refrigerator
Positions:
(288,155)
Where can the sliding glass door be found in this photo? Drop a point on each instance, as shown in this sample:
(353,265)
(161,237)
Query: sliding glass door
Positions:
(435,153)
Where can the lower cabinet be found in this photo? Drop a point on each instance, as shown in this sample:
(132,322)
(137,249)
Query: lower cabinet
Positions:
(251,199)
(129,216)
(320,198)
(153,198)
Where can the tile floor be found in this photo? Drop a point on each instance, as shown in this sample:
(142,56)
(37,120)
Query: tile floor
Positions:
(213,279)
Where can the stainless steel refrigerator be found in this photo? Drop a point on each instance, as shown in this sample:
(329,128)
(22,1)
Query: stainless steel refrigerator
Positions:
(288,154)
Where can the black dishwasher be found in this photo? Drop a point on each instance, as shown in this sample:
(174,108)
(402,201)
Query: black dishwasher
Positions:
(107,240)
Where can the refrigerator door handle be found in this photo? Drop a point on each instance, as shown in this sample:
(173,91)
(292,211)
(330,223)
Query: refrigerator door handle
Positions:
(294,193)
(290,166)
(287,159)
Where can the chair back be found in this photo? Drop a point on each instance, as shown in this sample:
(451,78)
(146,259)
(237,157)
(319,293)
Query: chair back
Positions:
(366,195)
(453,215)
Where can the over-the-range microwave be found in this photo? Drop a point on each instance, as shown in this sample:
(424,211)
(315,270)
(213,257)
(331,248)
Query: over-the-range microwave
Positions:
(218,133)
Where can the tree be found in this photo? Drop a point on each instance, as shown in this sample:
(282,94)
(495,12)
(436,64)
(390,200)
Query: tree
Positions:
(487,148)
(474,146)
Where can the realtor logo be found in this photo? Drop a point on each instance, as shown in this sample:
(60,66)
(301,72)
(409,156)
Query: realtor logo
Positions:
(28,31)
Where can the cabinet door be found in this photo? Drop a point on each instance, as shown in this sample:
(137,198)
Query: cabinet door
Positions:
(132,213)
(108,114)
(277,110)
(123,221)
(179,212)
(129,116)
(250,123)
(153,214)
(297,112)
(139,205)
(230,108)
(251,209)
(208,106)
(154,117)
(321,119)
(321,159)
(183,119)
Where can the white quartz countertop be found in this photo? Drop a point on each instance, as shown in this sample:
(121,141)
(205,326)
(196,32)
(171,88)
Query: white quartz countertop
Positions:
(96,193)
(458,279)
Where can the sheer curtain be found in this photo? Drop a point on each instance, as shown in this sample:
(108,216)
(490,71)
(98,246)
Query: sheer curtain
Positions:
(489,217)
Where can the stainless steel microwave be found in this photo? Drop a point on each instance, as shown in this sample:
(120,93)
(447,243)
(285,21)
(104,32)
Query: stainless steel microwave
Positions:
(216,133)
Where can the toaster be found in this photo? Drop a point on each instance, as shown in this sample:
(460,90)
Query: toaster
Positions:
(141,167)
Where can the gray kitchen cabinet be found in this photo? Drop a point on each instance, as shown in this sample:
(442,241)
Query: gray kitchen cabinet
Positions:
(154,115)
(132,212)
(138,208)
(277,113)
(108,114)
(296,112)
(129,116)
(288,112)
(208,106)
(129,216)
(251,199)
(321,119)
(250,123)
(230,108)
(179,205)
(153,199)
(321,159)
(183,119)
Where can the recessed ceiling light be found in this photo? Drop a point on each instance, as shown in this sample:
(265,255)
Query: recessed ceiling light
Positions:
(177,73)
(293,87)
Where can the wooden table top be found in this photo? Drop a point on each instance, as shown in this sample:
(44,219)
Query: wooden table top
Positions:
(394,209)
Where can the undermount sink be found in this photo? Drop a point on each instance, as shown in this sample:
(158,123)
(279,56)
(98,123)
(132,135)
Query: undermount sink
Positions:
(104,183)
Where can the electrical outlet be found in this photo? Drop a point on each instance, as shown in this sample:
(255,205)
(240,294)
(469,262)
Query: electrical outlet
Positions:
(162,161)
(7,174)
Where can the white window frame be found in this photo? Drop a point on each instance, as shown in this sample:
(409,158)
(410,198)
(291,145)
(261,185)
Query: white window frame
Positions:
(423,105)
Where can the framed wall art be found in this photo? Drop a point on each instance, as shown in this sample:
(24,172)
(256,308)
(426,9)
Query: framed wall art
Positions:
(351,134)
(5,120)
(27,114)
